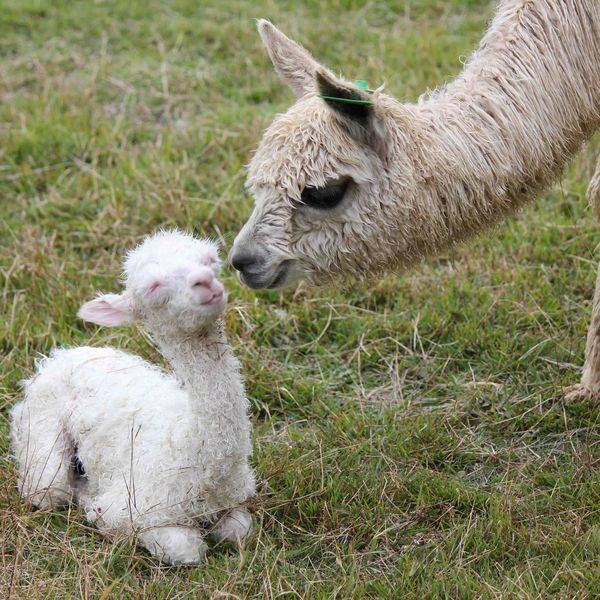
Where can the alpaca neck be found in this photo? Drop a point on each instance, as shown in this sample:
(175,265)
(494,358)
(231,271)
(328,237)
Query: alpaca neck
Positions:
(506,127)
(205,364)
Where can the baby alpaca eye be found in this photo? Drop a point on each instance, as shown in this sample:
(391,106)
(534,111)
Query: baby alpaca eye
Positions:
(327,197)
(155,291)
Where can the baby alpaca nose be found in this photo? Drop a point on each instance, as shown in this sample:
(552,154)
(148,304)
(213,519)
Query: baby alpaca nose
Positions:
(201,277)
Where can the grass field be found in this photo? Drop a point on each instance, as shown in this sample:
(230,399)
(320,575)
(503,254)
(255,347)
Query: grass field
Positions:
(410,435)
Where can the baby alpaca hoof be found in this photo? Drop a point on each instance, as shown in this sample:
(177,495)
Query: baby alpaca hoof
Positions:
(233,527)
(577,392)
(174,545)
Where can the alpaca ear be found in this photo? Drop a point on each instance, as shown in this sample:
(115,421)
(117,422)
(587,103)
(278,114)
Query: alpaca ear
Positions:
(345,99)
(107,309)
(294,65)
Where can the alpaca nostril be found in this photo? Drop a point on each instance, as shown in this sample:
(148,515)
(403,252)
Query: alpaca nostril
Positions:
(201,278)
(242,260)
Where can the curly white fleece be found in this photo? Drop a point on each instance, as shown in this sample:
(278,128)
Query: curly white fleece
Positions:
(142,450)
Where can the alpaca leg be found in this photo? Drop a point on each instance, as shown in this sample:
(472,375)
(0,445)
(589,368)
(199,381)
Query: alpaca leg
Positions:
(42,454)
(174,545)
(233,527)
(171,544)
(119,510)
(44,480)
(590,379)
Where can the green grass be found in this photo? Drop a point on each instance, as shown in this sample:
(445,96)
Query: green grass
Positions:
(410,435)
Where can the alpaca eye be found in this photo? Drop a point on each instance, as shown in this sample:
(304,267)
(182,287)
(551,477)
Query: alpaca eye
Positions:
(327,197)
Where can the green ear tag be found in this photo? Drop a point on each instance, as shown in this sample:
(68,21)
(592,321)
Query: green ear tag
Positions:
(361,84)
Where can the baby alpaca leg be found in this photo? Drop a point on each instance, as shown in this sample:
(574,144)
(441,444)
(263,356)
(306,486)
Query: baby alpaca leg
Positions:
(119,510)
(42,453)
(232,527)
(590,379)
(174,545)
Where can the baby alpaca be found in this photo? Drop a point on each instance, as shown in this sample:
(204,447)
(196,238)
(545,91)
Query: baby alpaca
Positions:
(161,455)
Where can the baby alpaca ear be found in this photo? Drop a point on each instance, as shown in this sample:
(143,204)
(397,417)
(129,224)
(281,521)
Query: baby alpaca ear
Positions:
(294,65)
(107,309)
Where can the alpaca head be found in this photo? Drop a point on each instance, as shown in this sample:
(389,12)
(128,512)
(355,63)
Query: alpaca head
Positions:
(320,178)
(171,285)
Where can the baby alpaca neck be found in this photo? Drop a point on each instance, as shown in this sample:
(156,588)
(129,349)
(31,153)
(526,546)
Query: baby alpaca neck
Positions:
(205,364)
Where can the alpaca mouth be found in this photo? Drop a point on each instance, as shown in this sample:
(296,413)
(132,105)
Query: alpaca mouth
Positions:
(216,299)
(273,280)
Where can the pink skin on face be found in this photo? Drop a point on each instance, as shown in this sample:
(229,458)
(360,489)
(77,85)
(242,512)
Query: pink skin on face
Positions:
(206,287)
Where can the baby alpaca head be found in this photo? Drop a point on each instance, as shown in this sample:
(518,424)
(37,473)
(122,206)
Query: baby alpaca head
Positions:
(171,285)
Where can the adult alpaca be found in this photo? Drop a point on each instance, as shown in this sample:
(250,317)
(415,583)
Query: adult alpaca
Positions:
(351,184)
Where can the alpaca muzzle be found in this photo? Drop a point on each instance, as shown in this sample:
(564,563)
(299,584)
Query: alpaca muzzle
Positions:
(256,271)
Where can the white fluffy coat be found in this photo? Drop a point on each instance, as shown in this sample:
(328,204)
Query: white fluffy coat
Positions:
(164,453)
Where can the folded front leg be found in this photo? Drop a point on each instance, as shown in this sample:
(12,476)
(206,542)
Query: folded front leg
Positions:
(233,526)
(174,545)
